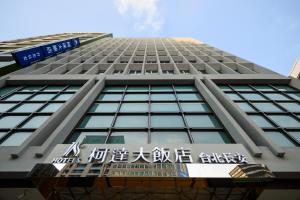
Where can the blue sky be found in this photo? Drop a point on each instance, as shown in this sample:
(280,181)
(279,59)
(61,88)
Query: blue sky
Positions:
(266,32)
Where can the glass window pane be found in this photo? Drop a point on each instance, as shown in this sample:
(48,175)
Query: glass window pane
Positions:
(260,121)
(137,89)
(295,95)
(32,88)
(88,137)
(16,139)
(186,88)
(132,121)
(110,97)
(276,96)
(245,107)
(134,107)
(169,138)
(241,87)
(234,96)
(189,97)
(166,121)
(114,89)
(285,121)
(136,97)
(164,107)
(284,88)
(6,106)
(54,88)
(295,135)
(104,107)
(280,139)
(252,96)
(128,138)
(267,107)
(202,121)
(162,88)
(52,107)
(195,107)
(163,97)
(35,122)
(11,121)
(28,107)
(214,137)
(73,88)
(17,97)
(5,90)
(292,107)
(263,88)
(96,122)
(225,88)
(42,97)
(2,134)
(63,97)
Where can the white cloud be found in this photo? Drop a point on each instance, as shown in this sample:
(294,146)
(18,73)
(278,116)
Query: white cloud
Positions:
(144,12)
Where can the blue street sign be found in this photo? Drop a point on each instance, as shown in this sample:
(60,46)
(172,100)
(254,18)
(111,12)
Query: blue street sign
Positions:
(29,56)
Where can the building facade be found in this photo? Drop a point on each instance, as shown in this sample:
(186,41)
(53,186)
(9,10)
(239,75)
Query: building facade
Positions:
(156,118)
(295,72)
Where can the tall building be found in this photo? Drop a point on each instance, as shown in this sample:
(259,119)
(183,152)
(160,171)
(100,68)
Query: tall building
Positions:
(148,118)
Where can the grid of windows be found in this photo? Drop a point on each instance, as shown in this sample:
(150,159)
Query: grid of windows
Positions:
(23,109)
(149,114)
(274,108)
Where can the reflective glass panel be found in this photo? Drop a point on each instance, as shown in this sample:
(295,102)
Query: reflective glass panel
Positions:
(114,89)
(280,139)
(295,95)
(162,88)
(234,96)
(252,96)
(164,107)
(28,107)
(292,107)
(276,96)
(16,139)
(35,122)
(63,97)
(245,107)
(285,121)
(163,97)
(263,88)
(54,88)
(11,121)
(241,88)
(195,107)
(128,138)
(267,107)
(73,88)
(134,107)
(295,135)
(225,88)
(132,121)
(213,137)
(202,121)
(51,107)
(137,88)
(5,90)
(42,97)
(88,137)
(17,97)
(6,106)
(104,107)
(96,121)
(169,138)
(32,88)
(185,88)
(189,97)
(260,121)
(110,97)
(284,88)
(136,97)
(166,121)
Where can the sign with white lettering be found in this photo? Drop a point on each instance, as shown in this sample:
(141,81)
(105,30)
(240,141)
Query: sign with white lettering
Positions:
(26,57)
(157,155)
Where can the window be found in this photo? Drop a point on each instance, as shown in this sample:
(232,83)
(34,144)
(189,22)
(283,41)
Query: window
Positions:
(274,108)
(213,137)
(146,114)
(25,108)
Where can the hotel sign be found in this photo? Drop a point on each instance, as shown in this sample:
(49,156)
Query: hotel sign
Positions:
(28,56)
(157,155)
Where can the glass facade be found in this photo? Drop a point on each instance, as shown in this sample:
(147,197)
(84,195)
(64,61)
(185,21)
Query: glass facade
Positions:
(149,114)
(24,109)
(274,108)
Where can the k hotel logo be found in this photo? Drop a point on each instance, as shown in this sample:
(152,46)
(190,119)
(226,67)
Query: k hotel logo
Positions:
(73,150)
(74,147)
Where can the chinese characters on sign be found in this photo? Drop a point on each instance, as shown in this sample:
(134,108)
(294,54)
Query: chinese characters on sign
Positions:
(31,55)
(157,155)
